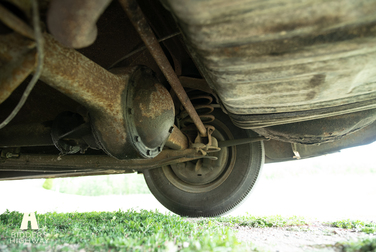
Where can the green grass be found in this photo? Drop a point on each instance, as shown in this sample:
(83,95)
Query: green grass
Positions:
(116,231)
(366,245)
(360,226)
(150,231)
(132,231)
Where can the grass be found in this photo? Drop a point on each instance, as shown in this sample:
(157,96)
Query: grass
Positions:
(117,231)
(131,231)
(357,225)
(364,245)
(150,231)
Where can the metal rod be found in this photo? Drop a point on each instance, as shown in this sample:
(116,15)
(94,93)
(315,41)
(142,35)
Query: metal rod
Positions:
(235,142)
(16,23)
(140,49)
(35,162)
(17,175)
(140,23)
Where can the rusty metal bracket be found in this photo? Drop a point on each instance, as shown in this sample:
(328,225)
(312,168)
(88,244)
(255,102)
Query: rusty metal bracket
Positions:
(206,145)
(139,21)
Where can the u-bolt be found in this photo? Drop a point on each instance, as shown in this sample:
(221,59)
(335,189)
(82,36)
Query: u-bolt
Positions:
(139,21)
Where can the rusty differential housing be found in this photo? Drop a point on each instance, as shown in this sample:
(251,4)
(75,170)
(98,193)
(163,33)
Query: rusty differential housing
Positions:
(148,118)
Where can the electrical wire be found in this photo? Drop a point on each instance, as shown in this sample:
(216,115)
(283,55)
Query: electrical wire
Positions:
(38,71)
(141,49)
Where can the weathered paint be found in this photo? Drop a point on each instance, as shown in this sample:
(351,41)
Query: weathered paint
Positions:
(281,56)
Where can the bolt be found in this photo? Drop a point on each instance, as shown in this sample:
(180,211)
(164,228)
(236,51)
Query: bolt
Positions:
(137,139)
(171,129)
(159,149)
(148,152)
(130,111)
(10,155)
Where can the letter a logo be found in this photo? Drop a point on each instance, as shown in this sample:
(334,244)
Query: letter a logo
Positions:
(25,221)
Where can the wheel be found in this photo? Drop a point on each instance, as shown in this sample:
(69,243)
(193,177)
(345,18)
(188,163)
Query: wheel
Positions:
(210,188)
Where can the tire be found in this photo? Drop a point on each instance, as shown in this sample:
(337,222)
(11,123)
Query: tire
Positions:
(214,193)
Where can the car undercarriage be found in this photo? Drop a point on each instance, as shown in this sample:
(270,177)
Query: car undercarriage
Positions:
(195,95)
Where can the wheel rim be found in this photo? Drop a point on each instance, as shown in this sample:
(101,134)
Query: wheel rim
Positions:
(210,174)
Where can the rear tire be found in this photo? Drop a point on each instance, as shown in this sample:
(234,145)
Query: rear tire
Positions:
(220,186)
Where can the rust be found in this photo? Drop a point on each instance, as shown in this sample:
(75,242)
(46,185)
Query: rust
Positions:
(150,110)
(14,73)
(30,162)
(159,102)
(177,140)
(17,61)
(83,80)
(73,23)
(140,23)
(105,95)
(89,84)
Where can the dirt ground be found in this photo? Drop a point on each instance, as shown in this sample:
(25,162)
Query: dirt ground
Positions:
(314,237)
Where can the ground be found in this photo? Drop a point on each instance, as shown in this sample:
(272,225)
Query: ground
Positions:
(315,237)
